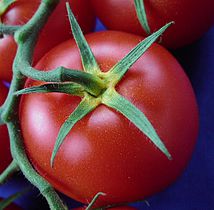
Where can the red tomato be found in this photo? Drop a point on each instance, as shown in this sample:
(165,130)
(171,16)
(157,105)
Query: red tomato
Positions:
(5,156)
(22,10)
(11,206)
(104,152)
(192,18)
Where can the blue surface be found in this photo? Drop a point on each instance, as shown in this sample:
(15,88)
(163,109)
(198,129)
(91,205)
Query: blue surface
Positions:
(194,190)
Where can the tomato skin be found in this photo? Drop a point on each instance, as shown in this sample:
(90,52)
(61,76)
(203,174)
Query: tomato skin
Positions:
(191,19)
(5,156)
(7,53)
(104,152)
(22,10)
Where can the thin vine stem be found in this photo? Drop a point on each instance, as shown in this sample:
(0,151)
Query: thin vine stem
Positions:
(10,115)
(32,29)
(1,120)
(18,153)
(6,29)
(9,171)
(28,33)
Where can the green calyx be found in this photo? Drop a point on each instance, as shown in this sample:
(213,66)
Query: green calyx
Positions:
(108,95)
(141,14)
(4,4)
(102,91)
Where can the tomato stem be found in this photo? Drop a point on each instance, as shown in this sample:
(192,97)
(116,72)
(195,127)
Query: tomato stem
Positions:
(18,153)
(91,204)
(9,171)
(92,84)
(32,29)
(1,120)
(26,35)
(6,202)
(5,29)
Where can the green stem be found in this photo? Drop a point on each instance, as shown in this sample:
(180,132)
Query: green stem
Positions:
(6,202)
(5,29)
(1,120)
(10,115)
(8,110)
(32,28)
(91,83)
(18,152)
(9,171)
(91,204)
(28,33)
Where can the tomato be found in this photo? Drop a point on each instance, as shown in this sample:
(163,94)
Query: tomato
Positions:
(7,54)
(191,19)
(22,10)
(5,156)
(105,152)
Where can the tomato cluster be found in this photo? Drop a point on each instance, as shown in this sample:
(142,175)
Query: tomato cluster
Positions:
(104,151)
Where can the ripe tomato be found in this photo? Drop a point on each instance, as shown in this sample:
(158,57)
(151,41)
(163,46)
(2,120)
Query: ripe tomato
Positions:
(22,10)
(191,19)
(5,157)
(104,152)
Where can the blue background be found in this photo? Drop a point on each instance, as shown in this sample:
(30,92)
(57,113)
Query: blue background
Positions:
(194,190)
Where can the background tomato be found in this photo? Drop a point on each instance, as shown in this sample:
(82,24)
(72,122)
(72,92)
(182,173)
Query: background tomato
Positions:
(5,157)
(105,152)
(56,30)
(191,19)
